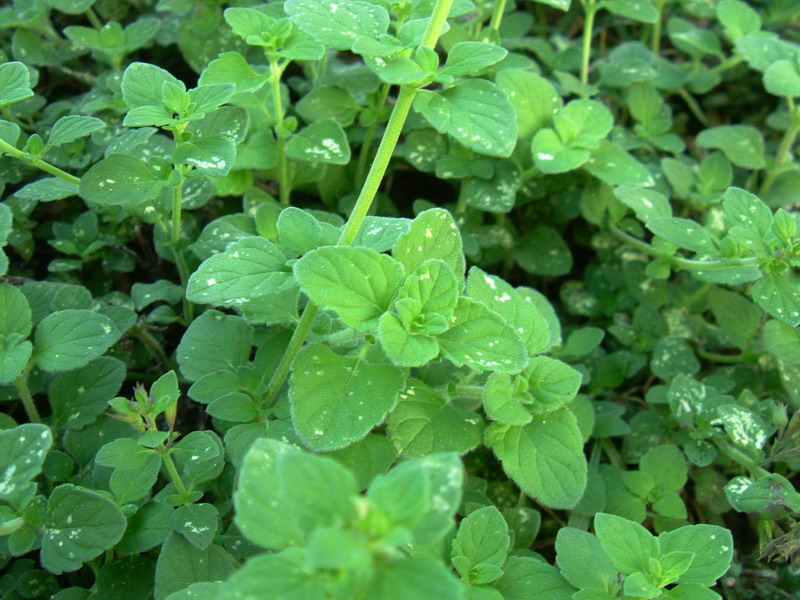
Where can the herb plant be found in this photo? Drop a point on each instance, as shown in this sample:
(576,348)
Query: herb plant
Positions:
(388,300)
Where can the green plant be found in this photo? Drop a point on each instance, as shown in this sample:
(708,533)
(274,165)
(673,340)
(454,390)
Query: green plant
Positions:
(452,289)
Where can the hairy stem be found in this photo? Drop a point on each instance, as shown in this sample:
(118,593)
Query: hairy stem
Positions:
(175,239)
(37,162)
(588,25)
(363,156)
(173,474)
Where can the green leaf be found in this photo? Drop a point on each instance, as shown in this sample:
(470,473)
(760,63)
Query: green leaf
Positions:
(544,458)
(180,565)
(747,210)
(552,383)
(322,141)
(482,339)
(71,128)
(482,538)
(248,268)
(543,251)
(212,156)
(583,123)
(120,180)
(23,449)
(713,548)
(673,357)
(529,578)
(738,18)
(48,189)
(414,577)
(629,545)
(771,495)
(475,112)
(744,427)
(643,11)
(685,233)
(433,234)
(502,404)
(498,194)
(339,24)
(513,306)
(337,400)
(124,454)
(142,84)
(782,78)
(782,340)
(647,204)
(15,312)
(666,465)
(551,155)
(582,561)
(131,486)
(69,339)
(273,506)
(612,164)
(200,351)
(14,357)
(742,144)
(534,98)
(403,347)
(778,294)
(328,103)
(470,58)
(287,575)
(80,525)
(298,230)
(15,83)
(197,523)
(424,422)
(358,284)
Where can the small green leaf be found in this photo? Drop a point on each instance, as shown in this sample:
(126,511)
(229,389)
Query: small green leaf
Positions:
(197,523)
(48,189)
(543,251)
(287,575)
(738,18)
(247,269)
(742,144)
(22,453)
(643,11)
(433,234)
(73,127)
(15,83)
(544,458)
(69,339)
(482,339)
(124,454)
(534,98)
(782,78)
(470,58)
(80,525)
(612,164)
(142,83)
(200,351)
(629,545)
(322,141)
(212,156)
(552,383)
(684,233)
(782,340)
(120,180)
(582,561)
(273,506)
(647,204)
(338,24)
(337,400)
(181,565)
(713,548)
(424,422)
(666,465)
(529,578)
(743,426)
(358,284)
(551,155)
(414,577)
(475,112)
(482,538)
(779,295)
(15,312)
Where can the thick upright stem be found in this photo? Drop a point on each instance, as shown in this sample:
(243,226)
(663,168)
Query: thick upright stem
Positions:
(175,239)
(363,156)
(174,475)
(497,14)
(655,41)
(784,150)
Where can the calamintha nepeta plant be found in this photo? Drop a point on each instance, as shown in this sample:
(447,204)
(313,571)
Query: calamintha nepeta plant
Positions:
(548,353)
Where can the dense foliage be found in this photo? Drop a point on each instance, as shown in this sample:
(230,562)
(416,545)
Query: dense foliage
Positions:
(399,299)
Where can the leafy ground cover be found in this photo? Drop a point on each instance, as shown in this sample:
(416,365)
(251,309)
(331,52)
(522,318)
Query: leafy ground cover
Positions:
(399,299)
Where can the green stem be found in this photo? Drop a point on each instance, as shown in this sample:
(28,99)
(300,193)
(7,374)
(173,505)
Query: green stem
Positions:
(11,525)
(140,332)
(21,384)
(676,261)
(655,41)
(612,453)
(175,239)
(37,162)
(784,150)
(694,107)
(740,457)
(275,72)
(173,474)
(376,172)
(588,25)
(93,18)
(732,359)
(696,295)
(363,156)
(498,10)
(295,343)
